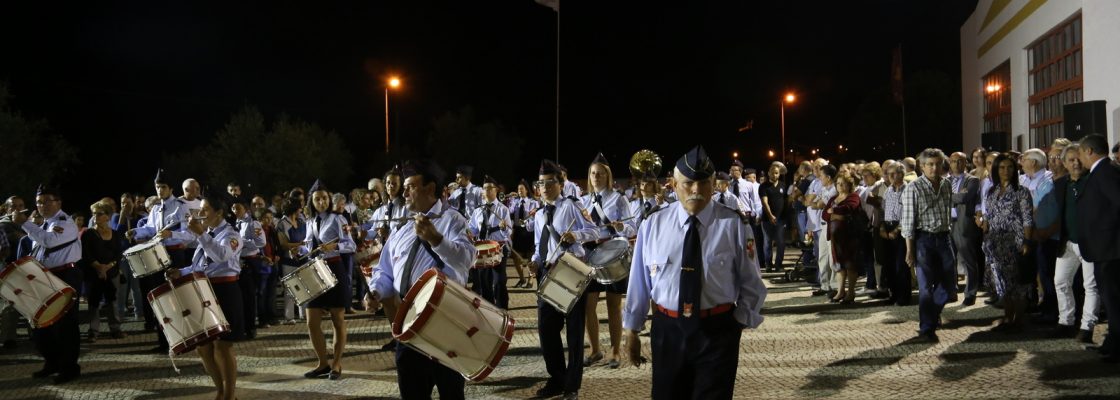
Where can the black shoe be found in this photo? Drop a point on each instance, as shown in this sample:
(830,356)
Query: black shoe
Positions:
(832,293)
(68,376)
(968,301)
(571,396)
(43,373)
(1061,332)
(928,337)
(334,375)
(819,292)
(592,359)
(158,350)
(391,345)
(991,301)
(550,391)
(1045,320)
(520,283)
(317,373)
(1084,336)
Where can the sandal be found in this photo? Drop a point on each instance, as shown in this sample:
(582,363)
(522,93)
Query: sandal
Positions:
(592,359)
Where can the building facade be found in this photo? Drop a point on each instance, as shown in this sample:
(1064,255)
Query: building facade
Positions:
(1022,60)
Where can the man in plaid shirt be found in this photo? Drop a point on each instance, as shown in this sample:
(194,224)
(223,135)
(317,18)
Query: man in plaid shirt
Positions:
(925,224)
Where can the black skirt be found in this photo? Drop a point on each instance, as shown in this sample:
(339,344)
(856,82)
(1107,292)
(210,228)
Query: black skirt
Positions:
(339,295)
(229,299)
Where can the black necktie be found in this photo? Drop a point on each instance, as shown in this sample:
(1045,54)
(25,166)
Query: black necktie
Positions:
(208,259)
(721,197)
(692,277)
(463,201)
(542,243)
(595,217)
(389,214)
(735,187)
(484,229)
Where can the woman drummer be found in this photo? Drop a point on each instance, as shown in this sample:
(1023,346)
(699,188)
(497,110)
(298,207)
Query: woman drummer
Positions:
(218,256)
(327,236)
(521,209)
(608,209)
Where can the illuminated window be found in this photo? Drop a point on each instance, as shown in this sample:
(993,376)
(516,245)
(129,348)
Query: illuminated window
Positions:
(997,99)
(1055,79)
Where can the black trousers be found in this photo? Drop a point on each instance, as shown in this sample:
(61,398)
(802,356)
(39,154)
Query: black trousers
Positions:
(250,290)
(1108,284)
(60,343)
(550,323)
(1047,253)
(901,287)
(697,366)
(179,259)
(417,375)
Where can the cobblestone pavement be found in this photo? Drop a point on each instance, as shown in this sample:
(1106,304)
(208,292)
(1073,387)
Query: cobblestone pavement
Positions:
(806,348)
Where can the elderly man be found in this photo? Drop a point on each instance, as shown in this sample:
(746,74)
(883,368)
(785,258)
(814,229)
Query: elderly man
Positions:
(925,224)
(967,237)
(1039,181)
(1099,231)
(695,262)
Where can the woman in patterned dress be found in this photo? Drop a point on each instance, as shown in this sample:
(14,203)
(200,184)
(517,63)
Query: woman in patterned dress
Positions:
(1007,223)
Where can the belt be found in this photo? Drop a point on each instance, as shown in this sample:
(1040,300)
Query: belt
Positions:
(223,279)
(252,257)
(933,233)
(62,267)
(176,247)
(333,259)
(711,312)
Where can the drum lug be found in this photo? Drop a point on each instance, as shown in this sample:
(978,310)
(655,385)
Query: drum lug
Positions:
(166,320)
(451,354)
(186,312)
(472,331)
(17,291)
(30,277)
(205,304)
(476,302)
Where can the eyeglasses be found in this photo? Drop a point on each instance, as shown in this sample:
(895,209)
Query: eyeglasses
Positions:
(546,182)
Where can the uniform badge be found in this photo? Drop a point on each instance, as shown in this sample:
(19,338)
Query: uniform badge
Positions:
(653,270)
(233,244)
(687,312)
(750,248)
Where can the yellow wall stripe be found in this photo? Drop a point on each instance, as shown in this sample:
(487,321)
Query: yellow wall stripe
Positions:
(993,11)
(1004,30)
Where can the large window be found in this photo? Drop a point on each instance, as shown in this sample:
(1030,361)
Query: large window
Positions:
(1055,79)
(997,99)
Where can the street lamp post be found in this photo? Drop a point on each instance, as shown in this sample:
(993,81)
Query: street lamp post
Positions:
(393,83)
(789,98)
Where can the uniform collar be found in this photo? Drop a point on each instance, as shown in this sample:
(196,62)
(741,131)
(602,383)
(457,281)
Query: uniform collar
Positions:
(218,229)
(705,216)
(436,209)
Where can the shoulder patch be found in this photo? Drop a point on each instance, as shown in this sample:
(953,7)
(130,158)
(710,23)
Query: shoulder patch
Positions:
(233,244)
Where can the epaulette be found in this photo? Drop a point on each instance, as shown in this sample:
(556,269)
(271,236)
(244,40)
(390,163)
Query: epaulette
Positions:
(62,218)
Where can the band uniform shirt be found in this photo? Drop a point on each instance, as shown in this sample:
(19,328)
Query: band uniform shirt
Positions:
(55,231)
(327,227)
(498,213)
(167,213)
(638,210)
(520,210)
(393,209)
(253,242)
(567,213)
(571,189)
(470,202)
(218,253)
(456,251)
(731,271)
(728,199)
(615,207)
(925,208)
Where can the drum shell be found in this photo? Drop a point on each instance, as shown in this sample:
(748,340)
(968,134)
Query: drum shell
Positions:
(309,281)
(443,320)
(188,312)
(565,283)
(488,254)
(35,292)
(147,258)
(611,261)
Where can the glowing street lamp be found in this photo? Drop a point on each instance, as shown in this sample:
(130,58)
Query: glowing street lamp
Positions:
(770,153)
(393,83)
(789,98)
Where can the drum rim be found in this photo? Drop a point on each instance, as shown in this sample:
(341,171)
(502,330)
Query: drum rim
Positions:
(620,256)
(499,353)
(163,288)
(65,309)
(12,266)
(193,342)
(426,313)
(142,246)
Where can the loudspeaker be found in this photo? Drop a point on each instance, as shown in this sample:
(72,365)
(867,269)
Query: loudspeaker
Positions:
(1084,118)
(996,141)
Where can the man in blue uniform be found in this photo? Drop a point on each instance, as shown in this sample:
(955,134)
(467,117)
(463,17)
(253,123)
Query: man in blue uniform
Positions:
(695,261)
(491,221)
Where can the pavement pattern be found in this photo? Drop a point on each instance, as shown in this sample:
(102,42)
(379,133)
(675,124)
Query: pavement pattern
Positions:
(806,348)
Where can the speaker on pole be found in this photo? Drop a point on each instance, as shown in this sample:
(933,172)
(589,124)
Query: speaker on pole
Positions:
(995,141)
(1084,118)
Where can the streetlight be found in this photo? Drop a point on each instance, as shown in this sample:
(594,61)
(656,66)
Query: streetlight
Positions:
(393,83)
(788,99)
(770,153)
(735,154)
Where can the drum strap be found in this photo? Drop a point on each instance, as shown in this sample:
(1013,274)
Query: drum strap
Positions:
(410,266)
(51,250)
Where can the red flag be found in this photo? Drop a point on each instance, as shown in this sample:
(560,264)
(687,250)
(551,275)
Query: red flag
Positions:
(896,74)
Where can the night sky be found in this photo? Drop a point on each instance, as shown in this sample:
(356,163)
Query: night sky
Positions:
(127,83)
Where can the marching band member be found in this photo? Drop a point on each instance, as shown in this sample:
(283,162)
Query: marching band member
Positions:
(167,219)
(253,241)
(552,227)
(55,244)
(491,221)
(467,196)
(391,215)
(571,189)
(441,232)
(290,232)
(522,207)
(609,211)
(695,261)
(327,234)
(723,193)
(218,256)
(744,184)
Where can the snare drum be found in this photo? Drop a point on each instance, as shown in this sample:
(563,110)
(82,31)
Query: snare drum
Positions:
(188,311)
(368,256)
(565,283)
(446,322)
(489,254)
(147,258)
(309,281)
(611,261)
(36,293)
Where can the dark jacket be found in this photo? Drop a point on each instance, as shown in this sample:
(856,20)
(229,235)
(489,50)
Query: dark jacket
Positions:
(966,203)
(1098,217)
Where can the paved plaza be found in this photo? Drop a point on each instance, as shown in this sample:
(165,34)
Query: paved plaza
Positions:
(806,348)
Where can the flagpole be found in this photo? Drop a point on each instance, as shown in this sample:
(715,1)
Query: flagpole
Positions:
(557,84)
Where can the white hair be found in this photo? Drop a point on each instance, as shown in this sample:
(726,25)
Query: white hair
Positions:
(1037,155)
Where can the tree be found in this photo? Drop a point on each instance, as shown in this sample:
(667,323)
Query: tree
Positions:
(32,153)
(457,138)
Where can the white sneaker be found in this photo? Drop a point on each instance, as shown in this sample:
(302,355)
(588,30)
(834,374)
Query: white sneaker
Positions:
(865,292)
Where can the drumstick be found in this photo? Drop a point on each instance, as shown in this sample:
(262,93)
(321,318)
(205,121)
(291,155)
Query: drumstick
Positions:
(382,221)
(316,250)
